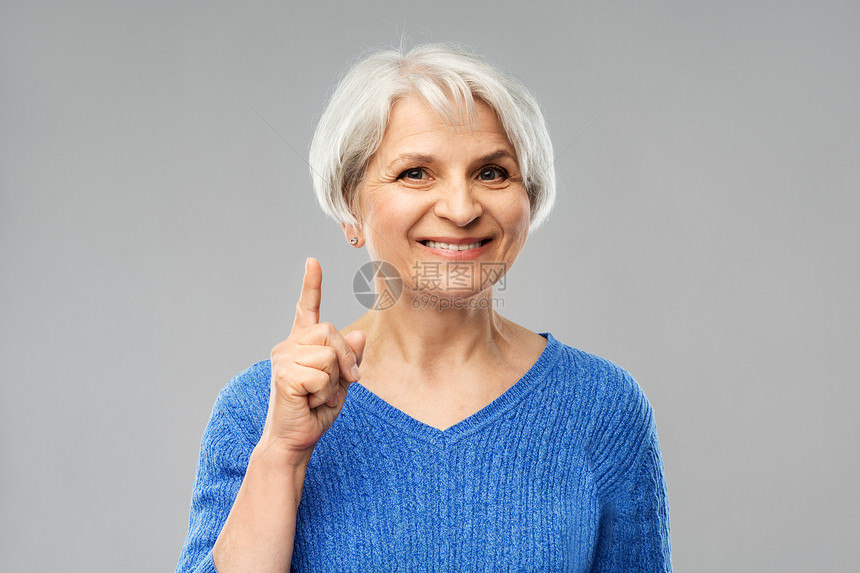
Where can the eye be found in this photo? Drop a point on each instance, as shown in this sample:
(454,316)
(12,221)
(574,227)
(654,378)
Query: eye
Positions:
(492,173)
(414,173)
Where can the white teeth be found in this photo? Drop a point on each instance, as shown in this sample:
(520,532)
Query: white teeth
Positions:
(436,245)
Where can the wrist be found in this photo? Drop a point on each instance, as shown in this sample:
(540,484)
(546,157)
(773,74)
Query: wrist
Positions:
(276,456)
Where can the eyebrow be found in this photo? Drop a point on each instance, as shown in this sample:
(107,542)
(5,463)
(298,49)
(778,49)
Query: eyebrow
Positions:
(429,159)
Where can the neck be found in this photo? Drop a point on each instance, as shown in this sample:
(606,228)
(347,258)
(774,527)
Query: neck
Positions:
(436,337)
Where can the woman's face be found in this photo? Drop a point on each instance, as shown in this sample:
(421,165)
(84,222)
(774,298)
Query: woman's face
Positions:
(430,187)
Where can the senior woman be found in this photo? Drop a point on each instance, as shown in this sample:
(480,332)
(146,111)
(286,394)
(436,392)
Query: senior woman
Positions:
(432,434)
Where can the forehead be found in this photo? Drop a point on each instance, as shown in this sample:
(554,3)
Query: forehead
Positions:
(413,120)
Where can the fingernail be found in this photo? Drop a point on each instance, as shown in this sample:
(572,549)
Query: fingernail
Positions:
(307,260)
(356,375)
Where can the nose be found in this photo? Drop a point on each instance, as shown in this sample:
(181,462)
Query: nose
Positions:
(458,204)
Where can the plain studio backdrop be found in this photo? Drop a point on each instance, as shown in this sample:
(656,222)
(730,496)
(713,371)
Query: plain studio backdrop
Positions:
(157,211)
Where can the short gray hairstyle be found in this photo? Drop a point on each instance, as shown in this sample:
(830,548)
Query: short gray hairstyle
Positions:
(354,121)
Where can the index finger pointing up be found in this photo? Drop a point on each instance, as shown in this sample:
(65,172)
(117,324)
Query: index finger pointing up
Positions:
(308,307)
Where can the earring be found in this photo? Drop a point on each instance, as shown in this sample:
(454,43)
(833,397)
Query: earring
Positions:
(353,240)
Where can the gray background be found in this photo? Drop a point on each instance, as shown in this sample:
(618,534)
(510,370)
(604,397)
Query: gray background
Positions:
(154,229)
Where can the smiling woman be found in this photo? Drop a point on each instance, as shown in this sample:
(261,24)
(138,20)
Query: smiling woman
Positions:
(437,192)
(470,443)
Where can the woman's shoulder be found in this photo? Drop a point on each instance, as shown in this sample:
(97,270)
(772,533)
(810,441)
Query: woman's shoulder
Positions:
(605,389)
(592,366)
(253,381)
(246,396)
(618,425)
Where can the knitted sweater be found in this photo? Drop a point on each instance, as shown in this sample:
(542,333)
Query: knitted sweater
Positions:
(562,472)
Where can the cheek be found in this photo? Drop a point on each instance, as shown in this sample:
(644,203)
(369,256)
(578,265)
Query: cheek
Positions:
(516,216)
(387,226)
(395,212)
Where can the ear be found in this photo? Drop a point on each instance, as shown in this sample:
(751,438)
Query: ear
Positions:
(353,232)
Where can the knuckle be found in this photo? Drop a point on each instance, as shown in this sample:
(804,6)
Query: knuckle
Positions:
(282,348)
(278,358)
(316,382)
(330,354)
(324,379)
(280,376)
(328,327)
(289,374)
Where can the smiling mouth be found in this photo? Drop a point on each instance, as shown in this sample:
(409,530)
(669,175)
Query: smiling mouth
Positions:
(453,247)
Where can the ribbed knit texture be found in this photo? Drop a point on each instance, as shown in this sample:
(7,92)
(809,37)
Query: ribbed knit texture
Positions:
(561,473)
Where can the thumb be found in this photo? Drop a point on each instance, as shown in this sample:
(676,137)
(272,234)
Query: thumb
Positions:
(356,340)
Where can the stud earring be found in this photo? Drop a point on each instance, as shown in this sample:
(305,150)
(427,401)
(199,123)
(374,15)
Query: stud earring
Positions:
(353,240)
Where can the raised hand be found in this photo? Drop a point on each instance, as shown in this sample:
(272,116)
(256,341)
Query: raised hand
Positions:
(311,372)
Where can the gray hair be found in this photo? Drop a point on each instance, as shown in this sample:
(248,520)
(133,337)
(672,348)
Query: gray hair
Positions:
(354,121)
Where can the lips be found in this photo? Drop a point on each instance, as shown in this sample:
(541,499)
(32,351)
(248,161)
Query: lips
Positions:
(452,246)
(455,240)
(458,248)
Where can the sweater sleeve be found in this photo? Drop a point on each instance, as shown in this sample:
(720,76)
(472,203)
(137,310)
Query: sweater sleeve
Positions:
(633,535)
(224,453)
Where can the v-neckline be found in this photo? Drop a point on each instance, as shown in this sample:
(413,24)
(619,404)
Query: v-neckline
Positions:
(367,400)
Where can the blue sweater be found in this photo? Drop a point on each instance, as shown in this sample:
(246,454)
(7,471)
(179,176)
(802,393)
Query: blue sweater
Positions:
(561,473)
